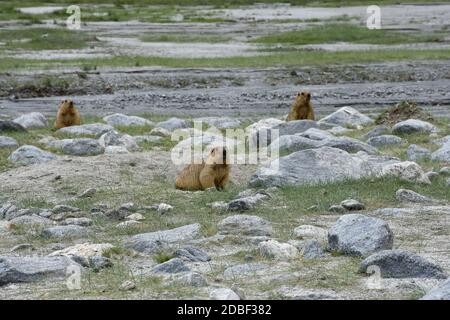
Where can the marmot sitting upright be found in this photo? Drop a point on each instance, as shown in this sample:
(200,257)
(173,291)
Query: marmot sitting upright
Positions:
(214,172)
(302,108)
(67,115)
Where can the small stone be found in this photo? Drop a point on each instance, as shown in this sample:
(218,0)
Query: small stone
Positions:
(98,262)
(88,193)
(352,205)
(84,222)
(445,171)
(174,265)
(136,217)
(164,208)
(416,153)
(273,249)
(192,254)
(28,155)
(127,286)
(245,225)
(405,195)
(223,294)
(306,232)
(129,224)
(64,208)
(337,209)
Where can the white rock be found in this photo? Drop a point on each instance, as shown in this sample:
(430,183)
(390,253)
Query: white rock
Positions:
(278,251)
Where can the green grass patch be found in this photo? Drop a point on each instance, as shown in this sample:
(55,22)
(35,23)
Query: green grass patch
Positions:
(330,33)
(44,39)
(294,58)
(184,38)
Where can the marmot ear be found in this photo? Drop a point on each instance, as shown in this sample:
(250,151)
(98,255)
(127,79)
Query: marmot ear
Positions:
(303,93)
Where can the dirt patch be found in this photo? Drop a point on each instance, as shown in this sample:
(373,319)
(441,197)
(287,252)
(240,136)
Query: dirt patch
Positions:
(403,111)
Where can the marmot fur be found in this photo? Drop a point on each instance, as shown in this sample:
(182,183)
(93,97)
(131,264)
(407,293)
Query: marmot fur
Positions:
(302,108)
(67,115)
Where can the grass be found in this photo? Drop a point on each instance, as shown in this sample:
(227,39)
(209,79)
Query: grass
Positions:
(44,39)
(331,33)
(294,58)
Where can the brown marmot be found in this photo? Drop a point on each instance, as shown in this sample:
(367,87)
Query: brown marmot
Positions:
(214,172)
(68,115)
(302,108)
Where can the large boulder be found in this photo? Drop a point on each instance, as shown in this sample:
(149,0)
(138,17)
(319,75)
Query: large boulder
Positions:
(79,147)
(442,154)
(349,144)
(415,153)
(220,122)
(292,143)
(260,130)
(27,155)
(7,142)
(113,138)
(402,264)
(29,269)
(319,165)
(33,120)
(441,292)
(152,241)
(407,171)
(173,124)
(359,235)
(93,129)
(245,225)
(11,126)
(119,119)
(294,127)
(385,140)
(347,116)
(413,126)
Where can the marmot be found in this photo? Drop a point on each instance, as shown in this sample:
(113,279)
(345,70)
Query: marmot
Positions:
(302,108)
(67,115)
(214,172)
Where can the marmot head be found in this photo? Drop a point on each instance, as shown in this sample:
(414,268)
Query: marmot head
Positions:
(303,97)
(217,155)
(66,104)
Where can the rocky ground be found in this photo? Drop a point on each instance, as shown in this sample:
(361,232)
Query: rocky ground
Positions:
(343,203)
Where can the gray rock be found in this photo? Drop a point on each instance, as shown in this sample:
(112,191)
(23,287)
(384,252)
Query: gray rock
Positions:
(338,130)
(33,220)
(61,208)
(223,294)
(174,265)
(385,140)
(28,155)
(402,264)
(84,222)
(314,166)
(407,171)
(445,171)
(352,205)
(4,227)
(79,147)
(192,254)
(33,120)
(442,154)
(11,126)
(6,209)
(129,224)
(93,129)
(127,286)
(359,235)
(292,143)
(60,232)
(116,150)
(14,212)
(275,250)
(316,134)
(431,175)
(377,131)
(243,270)
(88,193)
(7,142)
(247,203)
(414,126)
(311,249)
(159,132)
(337,208)
(347,116)
(245,225)
(425,210)
(30,269)
(415,153)
(99,262)
(147,138)
(308,232)
(294,127)
(120,119)
(405,195)
(113,138)
(350,145)
(220,122)
(193,279)
(441,292)
(173,124)
(153,241)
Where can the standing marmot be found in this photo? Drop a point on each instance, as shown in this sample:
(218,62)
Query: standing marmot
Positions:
(214,172)
(67,115)
(302,108)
